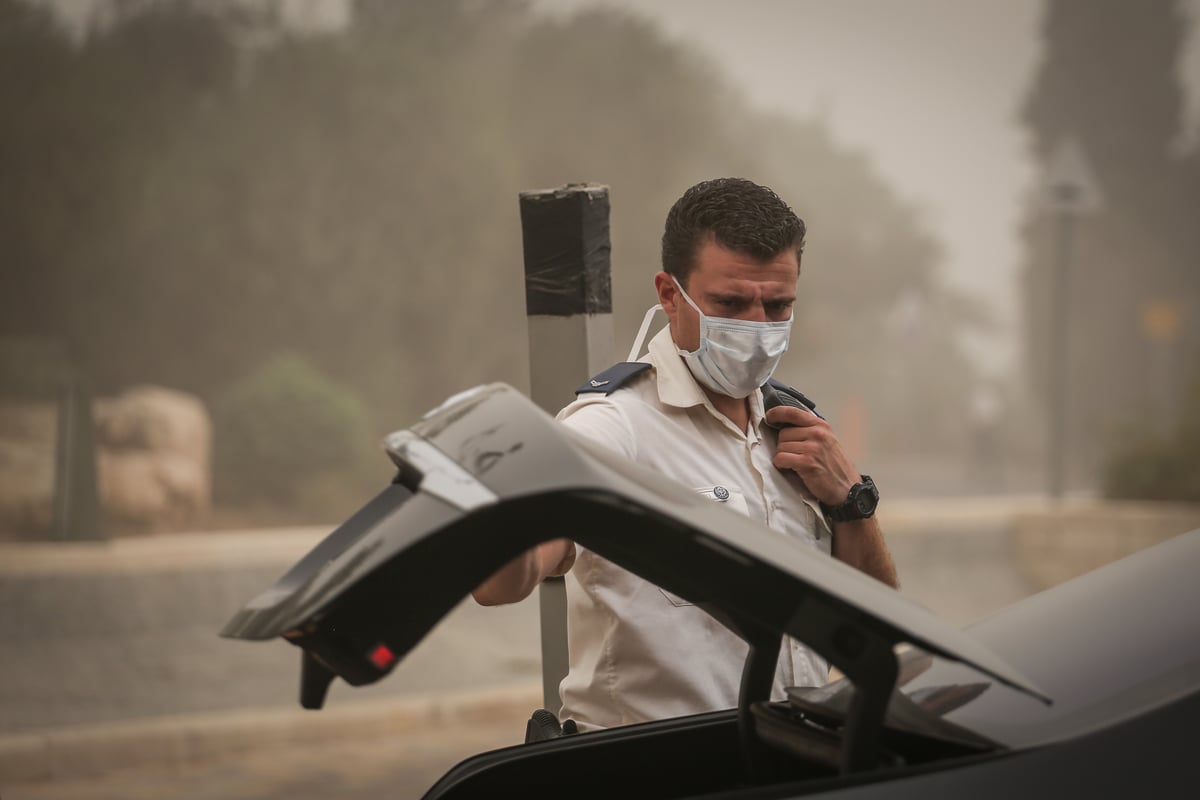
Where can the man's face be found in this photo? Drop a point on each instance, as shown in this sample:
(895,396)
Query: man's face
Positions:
(732,285)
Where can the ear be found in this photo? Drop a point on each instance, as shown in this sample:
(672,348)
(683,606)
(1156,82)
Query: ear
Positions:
(668,294)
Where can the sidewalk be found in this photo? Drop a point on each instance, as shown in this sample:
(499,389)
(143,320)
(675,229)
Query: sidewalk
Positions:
(398,766)
(175,743)
(111,661)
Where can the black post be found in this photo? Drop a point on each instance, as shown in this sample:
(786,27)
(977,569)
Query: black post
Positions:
(76,503)
(568,300)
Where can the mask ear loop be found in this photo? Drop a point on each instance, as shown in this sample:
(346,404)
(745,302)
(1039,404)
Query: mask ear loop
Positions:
(641,334)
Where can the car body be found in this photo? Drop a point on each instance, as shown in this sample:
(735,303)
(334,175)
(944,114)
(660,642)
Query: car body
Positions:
(1092,687)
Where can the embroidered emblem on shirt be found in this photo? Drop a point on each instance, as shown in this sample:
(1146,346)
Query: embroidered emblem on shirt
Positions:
(595,382)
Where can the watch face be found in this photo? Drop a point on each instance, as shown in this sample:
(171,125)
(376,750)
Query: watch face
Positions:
(865,503)
(861,503)
(866,498)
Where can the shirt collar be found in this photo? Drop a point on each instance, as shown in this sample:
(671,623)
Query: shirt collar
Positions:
(677,387)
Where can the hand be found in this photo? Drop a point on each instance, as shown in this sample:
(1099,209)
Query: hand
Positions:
(517,579)
(811,449)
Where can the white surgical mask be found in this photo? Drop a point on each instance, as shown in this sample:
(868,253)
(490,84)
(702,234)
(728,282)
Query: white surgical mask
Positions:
(735,356)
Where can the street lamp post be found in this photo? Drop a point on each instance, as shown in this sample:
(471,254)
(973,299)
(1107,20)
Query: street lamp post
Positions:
(1060,312)
(1071,190)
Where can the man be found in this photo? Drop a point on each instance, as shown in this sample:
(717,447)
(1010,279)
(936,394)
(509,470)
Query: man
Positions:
(731,261)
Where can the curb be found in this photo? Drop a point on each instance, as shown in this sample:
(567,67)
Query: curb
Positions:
(917,517)
(83,751)
(266,547)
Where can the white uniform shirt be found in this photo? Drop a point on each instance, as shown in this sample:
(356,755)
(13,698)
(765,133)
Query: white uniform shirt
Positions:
(638,653)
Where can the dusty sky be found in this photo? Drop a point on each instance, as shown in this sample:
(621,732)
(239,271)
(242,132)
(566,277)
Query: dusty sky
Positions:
(930,90)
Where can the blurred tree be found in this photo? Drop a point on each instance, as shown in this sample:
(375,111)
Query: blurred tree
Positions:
(33,57)
(89,130)
(187,200)
(1109,80)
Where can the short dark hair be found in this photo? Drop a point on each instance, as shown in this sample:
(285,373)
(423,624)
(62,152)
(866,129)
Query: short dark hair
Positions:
(741,215)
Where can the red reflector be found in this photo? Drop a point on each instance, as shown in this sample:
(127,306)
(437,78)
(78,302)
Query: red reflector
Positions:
(382,657)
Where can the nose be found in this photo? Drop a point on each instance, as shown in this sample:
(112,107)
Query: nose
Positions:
(758,312)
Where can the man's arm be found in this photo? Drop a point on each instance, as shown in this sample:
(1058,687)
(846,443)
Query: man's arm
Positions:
(860,544)
(809,447)
(517,579)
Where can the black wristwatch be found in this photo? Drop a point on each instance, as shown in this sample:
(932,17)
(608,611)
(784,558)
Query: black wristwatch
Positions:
(859,504)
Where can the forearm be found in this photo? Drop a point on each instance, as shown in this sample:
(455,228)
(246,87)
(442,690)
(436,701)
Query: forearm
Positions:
(860,544)
(517,579)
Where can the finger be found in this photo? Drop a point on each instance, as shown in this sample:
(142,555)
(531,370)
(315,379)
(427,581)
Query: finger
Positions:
(811,457)
(805,446)
(819,435)
(790,415)
(801,462)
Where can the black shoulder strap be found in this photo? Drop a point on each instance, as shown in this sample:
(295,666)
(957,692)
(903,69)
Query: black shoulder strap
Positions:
(613,378)
(796,393)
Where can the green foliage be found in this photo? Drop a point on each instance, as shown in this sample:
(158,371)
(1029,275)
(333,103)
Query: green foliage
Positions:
(1160,468)
(286,431)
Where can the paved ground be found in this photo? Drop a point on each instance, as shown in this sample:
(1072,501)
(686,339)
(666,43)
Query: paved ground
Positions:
(113,676)
(129,630)
(395,766)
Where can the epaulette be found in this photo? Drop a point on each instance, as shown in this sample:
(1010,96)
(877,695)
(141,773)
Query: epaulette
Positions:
(614,377)
(796,393)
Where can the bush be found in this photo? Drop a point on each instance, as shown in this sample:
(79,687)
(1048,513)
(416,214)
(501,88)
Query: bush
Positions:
(288,435)
(1160,469)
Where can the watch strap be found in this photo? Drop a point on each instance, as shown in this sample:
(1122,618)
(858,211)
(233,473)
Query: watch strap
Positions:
(849,510)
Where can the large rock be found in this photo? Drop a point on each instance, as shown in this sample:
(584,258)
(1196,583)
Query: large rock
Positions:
(154,459)
(154,419)
(153,463)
